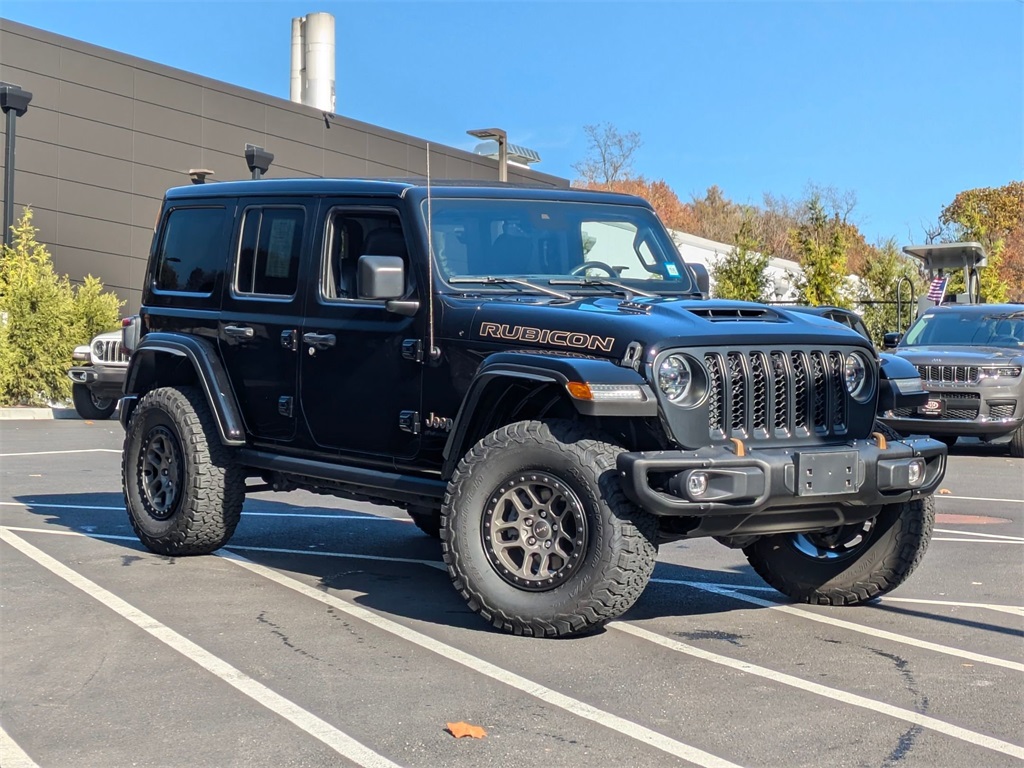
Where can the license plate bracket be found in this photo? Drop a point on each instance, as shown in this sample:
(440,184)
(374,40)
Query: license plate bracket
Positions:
(932,408)
(821,473)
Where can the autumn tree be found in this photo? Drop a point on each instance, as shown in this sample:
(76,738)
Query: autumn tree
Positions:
(610,154)
(717,217)
(994,217)
(742,274)
(673,213)
(821,248)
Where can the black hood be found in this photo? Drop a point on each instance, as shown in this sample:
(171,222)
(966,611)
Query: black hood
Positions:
(604,326)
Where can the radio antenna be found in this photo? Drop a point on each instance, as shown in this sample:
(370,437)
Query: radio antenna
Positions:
(432,351)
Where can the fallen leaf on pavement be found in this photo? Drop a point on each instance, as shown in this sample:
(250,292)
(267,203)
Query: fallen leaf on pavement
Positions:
(458,730)
(944,491)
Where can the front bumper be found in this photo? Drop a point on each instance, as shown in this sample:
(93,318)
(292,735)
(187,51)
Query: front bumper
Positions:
(988,412)
(103,381)
(775,490)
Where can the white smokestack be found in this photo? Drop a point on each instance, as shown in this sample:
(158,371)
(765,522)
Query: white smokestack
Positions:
(313,54)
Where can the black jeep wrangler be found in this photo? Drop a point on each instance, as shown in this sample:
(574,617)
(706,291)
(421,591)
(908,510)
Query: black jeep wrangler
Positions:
(533,374)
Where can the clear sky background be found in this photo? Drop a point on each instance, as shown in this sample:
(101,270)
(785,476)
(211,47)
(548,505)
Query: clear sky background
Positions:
(904,103)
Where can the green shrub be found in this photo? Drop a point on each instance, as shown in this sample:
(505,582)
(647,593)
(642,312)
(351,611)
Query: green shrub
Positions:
(42,319)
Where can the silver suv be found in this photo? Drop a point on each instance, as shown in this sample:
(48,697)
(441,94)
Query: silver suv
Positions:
(99,376)
(971,359)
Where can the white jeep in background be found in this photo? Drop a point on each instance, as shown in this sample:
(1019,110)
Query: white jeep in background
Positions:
(98,376)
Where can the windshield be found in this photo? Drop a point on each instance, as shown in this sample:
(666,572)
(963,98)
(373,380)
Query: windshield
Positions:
(549,240)
(998,329)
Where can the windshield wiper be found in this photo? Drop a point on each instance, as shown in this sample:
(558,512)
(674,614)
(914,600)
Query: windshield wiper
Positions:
(496,280)
(604,281)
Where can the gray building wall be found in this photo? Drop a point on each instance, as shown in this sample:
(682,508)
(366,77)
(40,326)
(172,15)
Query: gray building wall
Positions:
(106,134)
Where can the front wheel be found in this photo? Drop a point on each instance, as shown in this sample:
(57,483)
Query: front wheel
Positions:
(1017,443)
(537,534)
(848,564)
(88,405)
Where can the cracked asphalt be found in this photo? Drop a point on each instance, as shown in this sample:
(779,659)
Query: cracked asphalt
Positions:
(328,633)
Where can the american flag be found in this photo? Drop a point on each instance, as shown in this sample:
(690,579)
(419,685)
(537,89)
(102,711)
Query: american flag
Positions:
(937,290)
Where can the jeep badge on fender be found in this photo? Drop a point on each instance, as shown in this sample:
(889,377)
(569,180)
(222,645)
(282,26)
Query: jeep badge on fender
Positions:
(309,333)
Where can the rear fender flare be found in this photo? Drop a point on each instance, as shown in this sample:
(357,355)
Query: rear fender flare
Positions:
(209,372)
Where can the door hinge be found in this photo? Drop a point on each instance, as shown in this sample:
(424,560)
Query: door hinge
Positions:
(290,340)
(409,421)
(284,405)
(412,349)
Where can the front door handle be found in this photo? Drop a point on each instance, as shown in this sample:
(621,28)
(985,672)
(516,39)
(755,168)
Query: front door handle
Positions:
(241,331)
(319,340)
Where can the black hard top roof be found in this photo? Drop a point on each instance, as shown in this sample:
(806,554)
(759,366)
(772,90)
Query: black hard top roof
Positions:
(397,188)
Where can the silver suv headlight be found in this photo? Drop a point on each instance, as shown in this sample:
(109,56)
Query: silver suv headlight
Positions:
(996,371)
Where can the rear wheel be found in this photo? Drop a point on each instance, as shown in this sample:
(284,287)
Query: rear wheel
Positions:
(91,406)
(182,487)
(537,534)
(848,564)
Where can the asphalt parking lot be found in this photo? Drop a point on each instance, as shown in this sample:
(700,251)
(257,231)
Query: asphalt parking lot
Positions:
(329,634)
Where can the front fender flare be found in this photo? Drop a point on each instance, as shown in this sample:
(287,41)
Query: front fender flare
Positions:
(558,370)
(899,384)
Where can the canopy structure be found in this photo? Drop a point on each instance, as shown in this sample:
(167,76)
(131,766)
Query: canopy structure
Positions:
(944,257)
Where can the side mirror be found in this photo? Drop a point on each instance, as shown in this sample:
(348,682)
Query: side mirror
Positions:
(890,340)
(381,277)
(703,278)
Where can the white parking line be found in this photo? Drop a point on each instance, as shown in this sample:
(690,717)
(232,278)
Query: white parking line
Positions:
(54,453)
(11,755)
(907,715)
(977,498)
(545,694)
(982,535)
(340,742)
(979,541)
(1016,610)
(848,625)
(370,518)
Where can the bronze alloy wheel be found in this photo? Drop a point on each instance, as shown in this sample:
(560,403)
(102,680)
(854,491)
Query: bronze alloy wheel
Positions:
(534,531)
(160,471)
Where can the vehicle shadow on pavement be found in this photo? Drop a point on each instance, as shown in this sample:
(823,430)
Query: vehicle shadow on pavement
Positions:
(386,564)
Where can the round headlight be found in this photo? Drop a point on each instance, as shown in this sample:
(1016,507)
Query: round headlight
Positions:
(674,377)
(97,349)
(855,375)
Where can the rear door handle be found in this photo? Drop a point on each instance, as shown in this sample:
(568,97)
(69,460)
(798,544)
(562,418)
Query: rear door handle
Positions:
(241,331)
(319,340)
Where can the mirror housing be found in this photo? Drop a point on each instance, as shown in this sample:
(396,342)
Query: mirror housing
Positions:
(380,277)
(703,278)
(890,340)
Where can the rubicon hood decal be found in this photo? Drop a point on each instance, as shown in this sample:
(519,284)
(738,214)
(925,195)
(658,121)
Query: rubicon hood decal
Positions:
(570,339)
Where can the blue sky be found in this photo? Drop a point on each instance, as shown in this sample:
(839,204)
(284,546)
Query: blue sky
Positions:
(904,103)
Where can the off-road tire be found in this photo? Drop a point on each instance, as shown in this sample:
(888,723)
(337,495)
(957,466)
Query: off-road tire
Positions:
(88,406)
(427,520)
(613,567)
(1017,443)
(204,503)
(884,560)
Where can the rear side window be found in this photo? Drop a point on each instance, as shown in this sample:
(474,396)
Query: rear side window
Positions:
(191,252)
(269,251)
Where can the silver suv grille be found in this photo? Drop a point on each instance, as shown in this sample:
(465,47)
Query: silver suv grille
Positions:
(113,352)
(754,394)
(948,374)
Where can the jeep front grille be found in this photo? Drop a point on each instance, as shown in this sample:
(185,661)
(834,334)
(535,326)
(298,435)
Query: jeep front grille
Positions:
(754,394)
(948,374)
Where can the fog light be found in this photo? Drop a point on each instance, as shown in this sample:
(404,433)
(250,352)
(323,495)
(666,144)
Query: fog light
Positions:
(915,473)
(697,484)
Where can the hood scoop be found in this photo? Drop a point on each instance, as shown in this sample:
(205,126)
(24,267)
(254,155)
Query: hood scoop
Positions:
(723,314)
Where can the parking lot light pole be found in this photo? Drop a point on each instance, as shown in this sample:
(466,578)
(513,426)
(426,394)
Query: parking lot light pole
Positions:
(501,137)
(14,102)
